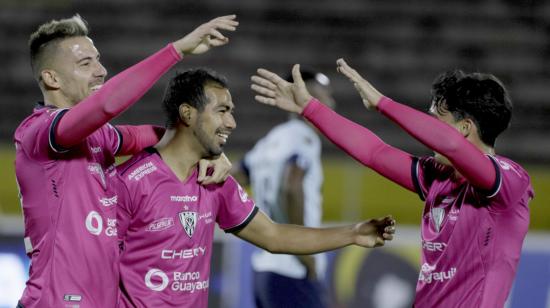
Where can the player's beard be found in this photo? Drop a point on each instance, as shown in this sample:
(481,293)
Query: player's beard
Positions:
(208,141)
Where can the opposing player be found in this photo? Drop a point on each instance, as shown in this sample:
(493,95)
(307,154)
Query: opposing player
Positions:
(167,220)
(285,171)
(476,213)
(65,159)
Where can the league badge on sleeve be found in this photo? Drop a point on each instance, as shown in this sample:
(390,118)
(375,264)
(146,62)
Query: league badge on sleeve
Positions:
(242,194)
(188,221)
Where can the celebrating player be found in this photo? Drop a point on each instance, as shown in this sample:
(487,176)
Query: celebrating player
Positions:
(65,153)
(167,220)
(476,213)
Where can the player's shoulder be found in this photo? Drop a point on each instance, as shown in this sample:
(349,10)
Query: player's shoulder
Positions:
(510,168)
(39,116)
(138,166)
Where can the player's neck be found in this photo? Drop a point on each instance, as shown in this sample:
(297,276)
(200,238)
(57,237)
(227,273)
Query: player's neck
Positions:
(55,98)
(178,154)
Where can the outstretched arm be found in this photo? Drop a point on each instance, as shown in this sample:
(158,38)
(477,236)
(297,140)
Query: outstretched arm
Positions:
(124,89)
(357,141)
(468,160)
(298,240)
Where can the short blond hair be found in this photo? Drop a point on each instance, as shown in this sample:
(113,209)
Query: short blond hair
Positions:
(49,34)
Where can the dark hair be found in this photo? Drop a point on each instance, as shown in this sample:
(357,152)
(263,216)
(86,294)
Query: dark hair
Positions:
(477,96)
(188,87)
(52,32)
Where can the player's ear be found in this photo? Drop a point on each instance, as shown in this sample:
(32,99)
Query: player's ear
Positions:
(467,127)
(50,79)
(187,112)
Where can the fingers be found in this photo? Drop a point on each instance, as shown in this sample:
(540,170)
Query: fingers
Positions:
(263,82)
(203,168)
(265,100)
(263,91)
(274,78)
(296,75)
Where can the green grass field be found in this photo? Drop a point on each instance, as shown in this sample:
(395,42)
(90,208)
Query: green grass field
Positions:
(351,192)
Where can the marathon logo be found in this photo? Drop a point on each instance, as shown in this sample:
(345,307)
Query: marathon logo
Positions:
(72,298)
(185,198)
(142,171)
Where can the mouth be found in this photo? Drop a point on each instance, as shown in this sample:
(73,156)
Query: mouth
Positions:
(223,137)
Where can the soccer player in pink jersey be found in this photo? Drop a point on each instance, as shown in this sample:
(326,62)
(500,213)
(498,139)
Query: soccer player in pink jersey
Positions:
(476,213)
(65,158)
(166,220)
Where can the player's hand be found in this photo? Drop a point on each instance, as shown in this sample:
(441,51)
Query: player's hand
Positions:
(275,91)
(206,36)
(374,232)
(368,93)
(222,167)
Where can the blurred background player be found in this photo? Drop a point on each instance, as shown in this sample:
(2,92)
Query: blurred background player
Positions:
(476,212)
(166,219)
(285,172)
(65,158)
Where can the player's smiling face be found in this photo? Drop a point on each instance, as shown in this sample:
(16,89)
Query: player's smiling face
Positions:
(79,69)
(215,122)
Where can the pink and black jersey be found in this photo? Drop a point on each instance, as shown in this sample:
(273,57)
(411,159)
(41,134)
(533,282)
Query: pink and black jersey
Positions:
(166,229)
(471,239)
(69,213)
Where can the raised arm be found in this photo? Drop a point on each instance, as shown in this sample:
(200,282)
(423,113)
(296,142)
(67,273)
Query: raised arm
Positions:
(124,89)
(468,160)
(299,240)
(357,141)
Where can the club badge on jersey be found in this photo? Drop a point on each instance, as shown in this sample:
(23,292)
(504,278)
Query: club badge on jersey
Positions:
(188,221)
(437,217)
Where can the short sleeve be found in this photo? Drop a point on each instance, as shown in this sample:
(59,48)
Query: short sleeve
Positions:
(513,183)
(111,138)
(236,208)
(37,135)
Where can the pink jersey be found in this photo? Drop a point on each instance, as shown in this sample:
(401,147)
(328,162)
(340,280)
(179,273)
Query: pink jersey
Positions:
(69,212)
(471,240)
(167,229)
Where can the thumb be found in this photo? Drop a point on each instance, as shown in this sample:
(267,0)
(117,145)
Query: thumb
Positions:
(297,76)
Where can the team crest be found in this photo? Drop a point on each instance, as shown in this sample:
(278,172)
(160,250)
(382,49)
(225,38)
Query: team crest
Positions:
(437,217)
(188,221)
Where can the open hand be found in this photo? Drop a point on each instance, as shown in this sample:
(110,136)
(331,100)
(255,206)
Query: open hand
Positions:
(374,232)
(275,91)
(206,36)
(368,93)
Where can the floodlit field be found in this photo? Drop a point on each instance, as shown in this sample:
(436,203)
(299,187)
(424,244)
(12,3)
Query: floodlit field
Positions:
(351,192)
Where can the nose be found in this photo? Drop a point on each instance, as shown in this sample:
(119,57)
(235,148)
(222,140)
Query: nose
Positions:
(230,122)
(100,71)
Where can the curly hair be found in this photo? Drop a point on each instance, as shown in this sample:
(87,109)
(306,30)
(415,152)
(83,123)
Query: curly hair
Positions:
(477,96)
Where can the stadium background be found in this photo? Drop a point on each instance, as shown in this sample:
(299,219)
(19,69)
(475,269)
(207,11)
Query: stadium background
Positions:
(400,46)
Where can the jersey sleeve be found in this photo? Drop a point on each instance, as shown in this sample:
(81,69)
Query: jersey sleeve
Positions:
(37,136)
(513,183)
(236,208)
(111,138)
